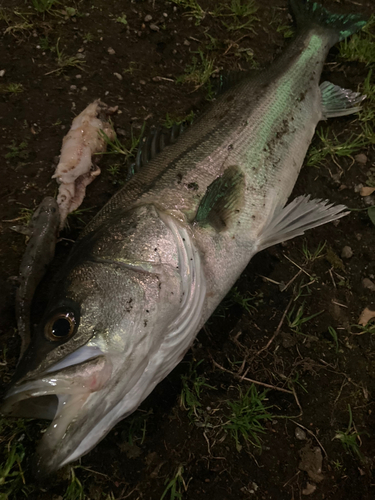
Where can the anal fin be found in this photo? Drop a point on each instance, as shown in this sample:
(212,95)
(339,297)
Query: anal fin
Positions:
(296,218)
(337,101)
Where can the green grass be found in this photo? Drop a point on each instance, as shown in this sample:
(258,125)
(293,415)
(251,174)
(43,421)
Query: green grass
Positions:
(64,61)
(12,454)
(43,6)
(334,336)
(11,88)
(247,417)
(286,30)
(360,47)
(238,15)
(122,20)
(296,319)
(171,120)
(175,486)
(331,146)
(192,385)
(193,9)
(350,438)
(136,427)
(17,151)
(75,489)
(312,256)
(199,72)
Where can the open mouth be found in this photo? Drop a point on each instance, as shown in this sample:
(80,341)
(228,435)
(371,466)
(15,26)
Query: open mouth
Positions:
(59,394)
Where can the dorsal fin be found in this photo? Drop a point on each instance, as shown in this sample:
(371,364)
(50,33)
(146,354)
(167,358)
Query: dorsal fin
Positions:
(222,200)
(154,143)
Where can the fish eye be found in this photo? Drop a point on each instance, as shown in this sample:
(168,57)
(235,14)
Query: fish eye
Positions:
(61,326)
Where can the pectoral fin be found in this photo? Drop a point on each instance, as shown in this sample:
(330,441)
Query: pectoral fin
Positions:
(296,218)
(222,200)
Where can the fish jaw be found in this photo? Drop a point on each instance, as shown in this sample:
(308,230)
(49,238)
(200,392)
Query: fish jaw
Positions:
(65,397)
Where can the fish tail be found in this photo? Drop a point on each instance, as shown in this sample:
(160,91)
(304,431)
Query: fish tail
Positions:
(309,14)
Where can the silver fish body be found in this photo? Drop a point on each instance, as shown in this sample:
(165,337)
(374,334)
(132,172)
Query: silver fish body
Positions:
(153,265)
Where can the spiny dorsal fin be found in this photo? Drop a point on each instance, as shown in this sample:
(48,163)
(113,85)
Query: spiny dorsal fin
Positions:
(222,200)
(154,143)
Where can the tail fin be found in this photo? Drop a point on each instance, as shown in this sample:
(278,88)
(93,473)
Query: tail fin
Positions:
(309,14)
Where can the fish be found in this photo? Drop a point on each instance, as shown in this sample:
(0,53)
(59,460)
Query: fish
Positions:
(77,167)
(40,250)
(151,267)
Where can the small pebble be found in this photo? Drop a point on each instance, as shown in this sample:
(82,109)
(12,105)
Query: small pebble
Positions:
(80,56)
(142,82)
(73,87)
(154,27)
(187,43)
(111,51)
(148,18)
(300,434)
(2,72)
(84,89)
(367,283)
(361,158)
(347,253)
(78,76)
(369,200)
(117,75)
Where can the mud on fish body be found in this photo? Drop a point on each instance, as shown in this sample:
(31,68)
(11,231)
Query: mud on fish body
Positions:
(152,266)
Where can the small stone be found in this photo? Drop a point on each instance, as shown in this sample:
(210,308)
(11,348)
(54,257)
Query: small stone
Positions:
(357,188)
(142,82)
(366,191)
(367,283)
(309,490)
(346,253)
(369,200)
(165,14)
(117,75)
(78,77)
(111,51)
(2,72)
(300,434)
(80,56)
(154,27)
(361,158)
(84,89)
(187,43)
(148,18)
(73,87)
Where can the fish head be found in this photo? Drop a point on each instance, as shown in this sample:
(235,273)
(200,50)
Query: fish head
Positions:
(103,323)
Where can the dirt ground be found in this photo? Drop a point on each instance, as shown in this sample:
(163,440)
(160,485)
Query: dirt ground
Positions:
(292,321)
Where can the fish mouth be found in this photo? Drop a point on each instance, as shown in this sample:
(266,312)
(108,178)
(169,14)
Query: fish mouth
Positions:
(64,396)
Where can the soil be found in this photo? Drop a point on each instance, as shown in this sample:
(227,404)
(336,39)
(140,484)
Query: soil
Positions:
(316,381)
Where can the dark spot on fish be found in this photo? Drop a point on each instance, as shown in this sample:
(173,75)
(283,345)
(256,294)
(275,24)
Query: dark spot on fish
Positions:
(193,185)
(155,249)
(147,311)
(183,239)
(179,178)
(145,322)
